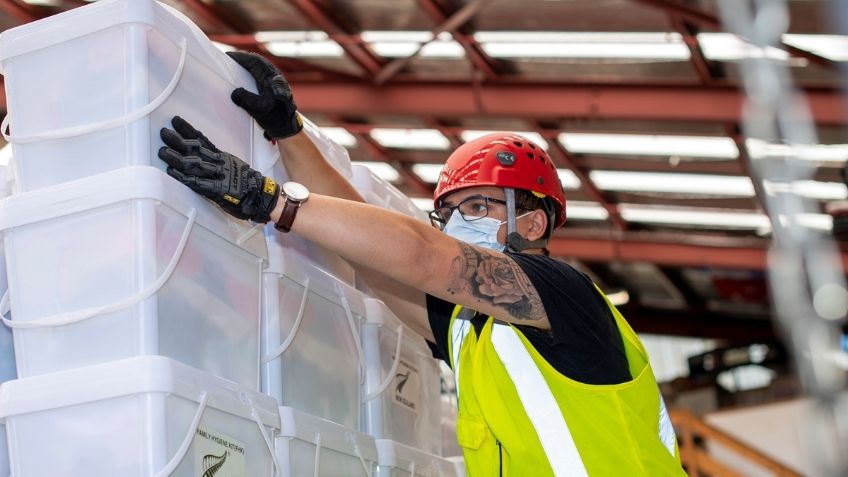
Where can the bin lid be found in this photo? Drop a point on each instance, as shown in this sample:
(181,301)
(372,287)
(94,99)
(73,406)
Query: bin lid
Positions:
(306,427)
(378,313)
(143,374)
(135,182)
(104,14)
(294,266)
(400,456)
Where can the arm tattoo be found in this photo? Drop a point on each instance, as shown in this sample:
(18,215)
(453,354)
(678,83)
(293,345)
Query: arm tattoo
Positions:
(495,279)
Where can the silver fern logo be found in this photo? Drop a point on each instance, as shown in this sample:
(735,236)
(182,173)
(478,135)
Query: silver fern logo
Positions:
(211,464)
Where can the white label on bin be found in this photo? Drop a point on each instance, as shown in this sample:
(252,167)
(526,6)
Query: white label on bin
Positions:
(217,455)
(407,386)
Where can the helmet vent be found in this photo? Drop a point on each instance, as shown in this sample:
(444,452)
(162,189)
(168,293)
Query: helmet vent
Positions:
(531,156)
(532,146)
(518,144)
(542,158)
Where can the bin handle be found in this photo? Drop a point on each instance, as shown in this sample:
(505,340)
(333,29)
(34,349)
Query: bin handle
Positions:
(270,445)
(391,376)
(4,303)
(295,327)
(317,466)
(189,437)
(71,317)
(358,453)
(352,323)
(75,131)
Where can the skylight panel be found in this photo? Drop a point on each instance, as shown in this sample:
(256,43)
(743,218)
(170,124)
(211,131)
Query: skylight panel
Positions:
(811,189)
(694,217)
(410,36)
(583,210)
(729,47)
(399,44)
(810,152)
(649,145)
(427,172)
(833,47)
(410,138)
(712,218)
(472,134)
(568,179)
(734,186)
(299,43)
(576,37)
(380,169)
(584,45)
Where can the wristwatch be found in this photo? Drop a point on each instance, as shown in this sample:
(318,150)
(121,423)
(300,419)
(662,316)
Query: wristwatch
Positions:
(295,195)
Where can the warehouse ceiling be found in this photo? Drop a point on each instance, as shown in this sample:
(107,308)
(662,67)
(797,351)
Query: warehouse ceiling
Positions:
(637,101)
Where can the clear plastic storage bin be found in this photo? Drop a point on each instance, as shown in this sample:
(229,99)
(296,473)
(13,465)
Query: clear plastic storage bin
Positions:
(311,446)
(89,89)
(459,465)
(7,352)
(310,341)
(140,417)
(270,165)
(397,460)
(402,392)
(128,263)
(377,191)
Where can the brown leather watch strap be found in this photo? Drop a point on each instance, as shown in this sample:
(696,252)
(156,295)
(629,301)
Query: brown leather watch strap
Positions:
(287,216)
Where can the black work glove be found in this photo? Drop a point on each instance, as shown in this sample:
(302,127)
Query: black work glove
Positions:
(273,108)
(219,176)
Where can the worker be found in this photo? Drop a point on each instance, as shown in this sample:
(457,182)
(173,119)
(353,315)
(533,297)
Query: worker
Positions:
(551,380)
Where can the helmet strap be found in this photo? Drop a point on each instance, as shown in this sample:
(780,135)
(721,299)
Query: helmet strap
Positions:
(514,241)
(510,210)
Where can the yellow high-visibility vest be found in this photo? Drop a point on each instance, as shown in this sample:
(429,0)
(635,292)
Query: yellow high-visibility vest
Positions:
(518,416)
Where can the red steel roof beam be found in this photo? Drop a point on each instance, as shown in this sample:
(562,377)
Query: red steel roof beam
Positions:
(445,25)
(745,163)
(378,152)
(696,55)
(451,133)
(211,17)
(540,101)
(479,59)
(236,36)
(18,11)
(710,21)
(585,181)
(248,42)
(680,252)
(366,60)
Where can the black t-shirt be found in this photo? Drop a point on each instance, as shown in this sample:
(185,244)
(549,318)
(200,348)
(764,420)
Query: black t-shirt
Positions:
(584,343)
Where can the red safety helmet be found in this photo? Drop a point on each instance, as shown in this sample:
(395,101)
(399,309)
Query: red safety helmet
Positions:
(502,160)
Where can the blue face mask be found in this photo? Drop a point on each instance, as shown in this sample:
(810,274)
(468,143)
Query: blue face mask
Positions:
(481,232)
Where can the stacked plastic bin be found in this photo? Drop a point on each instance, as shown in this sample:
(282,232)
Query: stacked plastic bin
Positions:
(7,352)
(402,404)
(154,334)
(135,304)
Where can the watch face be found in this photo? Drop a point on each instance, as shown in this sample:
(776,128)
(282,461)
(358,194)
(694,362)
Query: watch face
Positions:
(296,191)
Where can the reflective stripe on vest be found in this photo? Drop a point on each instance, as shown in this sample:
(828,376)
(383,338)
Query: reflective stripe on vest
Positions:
(459,329)
(667,434)
(539,403)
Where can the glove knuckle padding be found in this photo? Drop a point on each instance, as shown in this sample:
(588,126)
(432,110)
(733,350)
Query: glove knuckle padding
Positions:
(219,176)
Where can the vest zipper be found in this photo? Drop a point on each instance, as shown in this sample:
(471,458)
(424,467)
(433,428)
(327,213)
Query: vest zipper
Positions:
(500,458)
